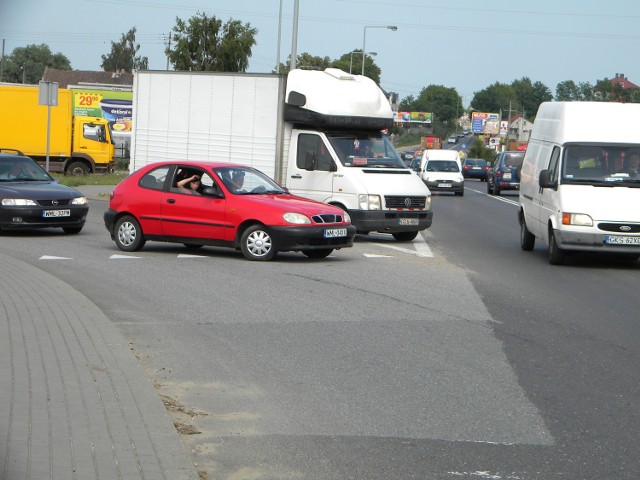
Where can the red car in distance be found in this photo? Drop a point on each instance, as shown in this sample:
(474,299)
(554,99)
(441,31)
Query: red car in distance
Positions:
(221,204)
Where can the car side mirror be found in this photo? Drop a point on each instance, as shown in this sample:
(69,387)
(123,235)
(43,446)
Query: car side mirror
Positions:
(545,181)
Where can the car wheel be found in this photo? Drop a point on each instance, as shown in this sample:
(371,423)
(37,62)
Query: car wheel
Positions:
(78,169)
(72,230)
(256,244)
(556,255)
(460,193)
(496,190)
(489,189)
(527,239)
(404,236)
(129,236)
(322,253)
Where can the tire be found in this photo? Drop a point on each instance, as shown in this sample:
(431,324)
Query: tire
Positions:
(72,230)
(77,169)
(527,239)
(460,194)
(256,244)
(323,253)
(496,190)
(404,236)
(489,189)
(128,234)
(556,255)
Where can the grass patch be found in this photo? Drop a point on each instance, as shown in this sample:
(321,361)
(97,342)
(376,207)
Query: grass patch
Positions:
(93,179)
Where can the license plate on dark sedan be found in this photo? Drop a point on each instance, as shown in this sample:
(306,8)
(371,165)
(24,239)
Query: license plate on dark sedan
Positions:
(335,232)
(56,213)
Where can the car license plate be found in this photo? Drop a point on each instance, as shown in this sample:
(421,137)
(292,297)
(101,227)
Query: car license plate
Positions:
(475,168)
(444,185)
(621,240)
(56,213)
(408,221)
(507,176)
(335,232)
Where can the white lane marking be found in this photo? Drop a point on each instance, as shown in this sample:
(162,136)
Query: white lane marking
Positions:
(189,255)
(373,255)
(421,248)
(495,197)
(116,256)
(51,257)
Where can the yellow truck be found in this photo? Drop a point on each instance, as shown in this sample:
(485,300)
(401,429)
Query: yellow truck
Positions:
(77,145)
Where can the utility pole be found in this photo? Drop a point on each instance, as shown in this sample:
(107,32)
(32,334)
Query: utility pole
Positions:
(294,43)
(168,50)
(2,61)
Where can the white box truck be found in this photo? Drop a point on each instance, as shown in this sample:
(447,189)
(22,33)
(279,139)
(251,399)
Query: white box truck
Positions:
(317,133)
(579,184)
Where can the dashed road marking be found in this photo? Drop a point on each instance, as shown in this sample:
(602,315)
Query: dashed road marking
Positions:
(116,256)
(51,257)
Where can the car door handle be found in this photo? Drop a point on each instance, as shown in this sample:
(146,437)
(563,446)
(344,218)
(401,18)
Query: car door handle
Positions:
(297,175)
(171,200)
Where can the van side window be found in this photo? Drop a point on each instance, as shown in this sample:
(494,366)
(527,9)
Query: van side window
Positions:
(553,163)
(313,153)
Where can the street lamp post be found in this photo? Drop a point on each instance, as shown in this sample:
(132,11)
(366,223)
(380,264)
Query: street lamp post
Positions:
(373,54)
(364,39)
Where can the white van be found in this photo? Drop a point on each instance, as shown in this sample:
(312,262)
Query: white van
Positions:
(579,190)
(441,170)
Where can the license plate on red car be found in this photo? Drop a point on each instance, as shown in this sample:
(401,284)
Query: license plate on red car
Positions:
(56,213)
(335,232)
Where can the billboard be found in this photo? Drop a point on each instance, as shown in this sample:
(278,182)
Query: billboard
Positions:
(412,117)
(114,104)
(488,123)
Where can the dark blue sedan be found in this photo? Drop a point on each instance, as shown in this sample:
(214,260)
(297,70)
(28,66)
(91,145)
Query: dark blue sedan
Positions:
(31,198)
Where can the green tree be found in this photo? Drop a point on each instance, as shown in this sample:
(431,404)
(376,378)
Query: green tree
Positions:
(569,91)
(307,61)
(495,98)
(406,104)
(353,60)
(479,150)
(530,95)
(28,63)
(443,102)
(123,55)
(204,44)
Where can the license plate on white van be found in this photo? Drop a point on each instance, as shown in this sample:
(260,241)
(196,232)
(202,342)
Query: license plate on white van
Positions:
(408,221)
(621,240)
(335,232)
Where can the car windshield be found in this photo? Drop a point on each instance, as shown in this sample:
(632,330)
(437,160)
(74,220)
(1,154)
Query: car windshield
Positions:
(442,166)
(475,161)
(366,150)
(513,160)
(22,169)
(601,165)
(247,181)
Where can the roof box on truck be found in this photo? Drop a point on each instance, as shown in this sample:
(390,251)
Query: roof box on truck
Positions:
(336,99)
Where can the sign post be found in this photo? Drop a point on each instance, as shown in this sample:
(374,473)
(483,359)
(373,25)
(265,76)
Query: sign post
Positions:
(48,95)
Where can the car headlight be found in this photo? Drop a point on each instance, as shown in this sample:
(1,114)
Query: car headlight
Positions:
(369,202)
(296,218)
(18,202)
(427,203)
(347,217)
(79,201)
(580,219)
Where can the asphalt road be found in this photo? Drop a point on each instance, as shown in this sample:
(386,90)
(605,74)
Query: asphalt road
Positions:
(456,356)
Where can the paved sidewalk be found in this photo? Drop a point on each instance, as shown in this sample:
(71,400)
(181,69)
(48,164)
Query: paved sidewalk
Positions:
(74,403)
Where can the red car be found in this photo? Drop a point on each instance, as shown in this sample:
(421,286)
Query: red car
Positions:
(222,204)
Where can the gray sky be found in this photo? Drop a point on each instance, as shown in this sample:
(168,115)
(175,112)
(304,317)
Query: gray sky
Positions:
(467,44)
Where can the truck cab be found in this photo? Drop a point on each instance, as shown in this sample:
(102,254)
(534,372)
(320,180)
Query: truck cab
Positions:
(92,146)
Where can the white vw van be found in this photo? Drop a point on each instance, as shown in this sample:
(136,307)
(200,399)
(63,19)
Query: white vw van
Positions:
(579,190)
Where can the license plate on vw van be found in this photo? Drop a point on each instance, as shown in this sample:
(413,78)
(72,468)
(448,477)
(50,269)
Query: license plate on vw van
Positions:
(335,232)
(408,221)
